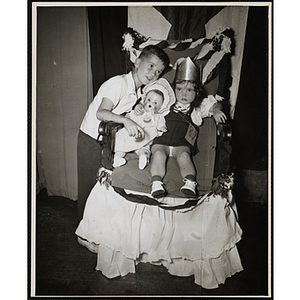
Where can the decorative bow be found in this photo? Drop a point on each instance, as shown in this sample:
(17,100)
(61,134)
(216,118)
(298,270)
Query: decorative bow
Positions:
(181,108)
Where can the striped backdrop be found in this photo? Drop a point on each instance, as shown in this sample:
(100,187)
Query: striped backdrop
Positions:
(157,27)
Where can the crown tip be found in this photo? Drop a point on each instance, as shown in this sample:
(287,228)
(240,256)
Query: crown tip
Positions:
(187,70)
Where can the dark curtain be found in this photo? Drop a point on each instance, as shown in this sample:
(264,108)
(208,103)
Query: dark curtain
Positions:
(250,135)
(107,25)
(188,21)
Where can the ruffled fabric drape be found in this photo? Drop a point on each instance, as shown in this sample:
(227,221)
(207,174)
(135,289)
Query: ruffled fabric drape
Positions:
(199,241)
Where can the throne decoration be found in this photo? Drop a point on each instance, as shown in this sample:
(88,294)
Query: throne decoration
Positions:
(207,53)
(209,50)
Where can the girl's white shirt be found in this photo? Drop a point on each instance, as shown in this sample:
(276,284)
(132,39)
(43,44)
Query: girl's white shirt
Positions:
(204,111)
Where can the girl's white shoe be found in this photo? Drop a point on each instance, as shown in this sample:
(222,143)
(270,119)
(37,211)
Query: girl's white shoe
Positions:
(189,188)
(157,189)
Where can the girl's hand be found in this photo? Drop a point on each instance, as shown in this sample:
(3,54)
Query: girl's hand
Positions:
(139,109)
(219,116)
(133,129)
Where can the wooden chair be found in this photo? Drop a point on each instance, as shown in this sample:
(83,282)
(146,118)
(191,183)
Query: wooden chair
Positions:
(209,139)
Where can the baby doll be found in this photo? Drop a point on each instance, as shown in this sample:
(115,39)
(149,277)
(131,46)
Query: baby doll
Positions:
(182,123)
(156,101)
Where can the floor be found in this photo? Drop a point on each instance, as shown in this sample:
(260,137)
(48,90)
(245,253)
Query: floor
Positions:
(65,268)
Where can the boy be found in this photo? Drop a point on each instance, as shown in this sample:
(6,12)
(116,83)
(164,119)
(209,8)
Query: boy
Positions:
(115,97)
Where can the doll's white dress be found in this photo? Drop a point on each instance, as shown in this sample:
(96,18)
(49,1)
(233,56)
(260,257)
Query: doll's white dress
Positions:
(153,125)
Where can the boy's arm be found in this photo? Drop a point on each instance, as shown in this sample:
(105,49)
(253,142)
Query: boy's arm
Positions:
(104,113)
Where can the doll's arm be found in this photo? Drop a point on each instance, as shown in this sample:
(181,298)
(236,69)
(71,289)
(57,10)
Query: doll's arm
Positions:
(131,115)
(139,109)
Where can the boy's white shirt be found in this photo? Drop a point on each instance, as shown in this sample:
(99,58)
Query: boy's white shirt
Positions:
(120,90)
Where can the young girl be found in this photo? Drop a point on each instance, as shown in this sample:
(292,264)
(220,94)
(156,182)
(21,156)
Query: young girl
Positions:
(182,125)
(115,96)
(156,102)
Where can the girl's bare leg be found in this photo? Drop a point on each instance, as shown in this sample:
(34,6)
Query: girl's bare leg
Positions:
(183,156)
(158,169)
(159,158)
(187,170)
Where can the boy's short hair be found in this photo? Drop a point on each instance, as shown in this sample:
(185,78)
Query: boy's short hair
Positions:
(160,53)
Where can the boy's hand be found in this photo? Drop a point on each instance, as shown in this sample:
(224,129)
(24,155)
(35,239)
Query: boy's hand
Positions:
(139,109)
(219,116)
(133,129)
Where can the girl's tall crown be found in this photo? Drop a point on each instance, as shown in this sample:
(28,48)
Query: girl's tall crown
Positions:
(187,70)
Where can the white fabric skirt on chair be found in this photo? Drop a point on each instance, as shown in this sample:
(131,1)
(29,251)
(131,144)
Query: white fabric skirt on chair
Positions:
(199,241)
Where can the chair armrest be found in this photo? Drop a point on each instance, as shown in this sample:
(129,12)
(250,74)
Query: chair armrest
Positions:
(105,130)
(224,149)
(224,132)
(106,138)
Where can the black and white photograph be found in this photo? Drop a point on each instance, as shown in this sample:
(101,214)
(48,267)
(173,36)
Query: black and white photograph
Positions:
(150,149)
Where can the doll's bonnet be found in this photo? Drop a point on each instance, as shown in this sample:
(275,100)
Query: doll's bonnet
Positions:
(164,86)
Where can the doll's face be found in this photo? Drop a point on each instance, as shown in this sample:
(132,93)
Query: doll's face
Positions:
(153,102)
(185,92)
